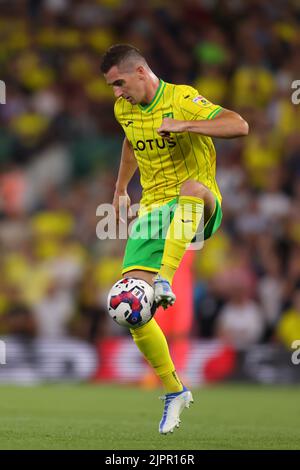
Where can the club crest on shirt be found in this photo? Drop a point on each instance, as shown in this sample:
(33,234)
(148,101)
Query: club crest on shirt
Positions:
(202,100)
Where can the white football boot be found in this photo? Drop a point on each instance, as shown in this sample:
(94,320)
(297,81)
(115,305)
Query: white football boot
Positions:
(163,294)
(174,405)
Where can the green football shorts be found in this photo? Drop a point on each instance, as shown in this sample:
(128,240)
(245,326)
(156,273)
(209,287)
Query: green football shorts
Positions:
(145,246)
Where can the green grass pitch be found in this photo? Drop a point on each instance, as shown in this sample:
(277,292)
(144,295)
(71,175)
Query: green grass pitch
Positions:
(120,417)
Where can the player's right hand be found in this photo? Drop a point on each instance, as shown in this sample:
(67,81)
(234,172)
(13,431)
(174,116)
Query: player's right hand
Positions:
(121,203)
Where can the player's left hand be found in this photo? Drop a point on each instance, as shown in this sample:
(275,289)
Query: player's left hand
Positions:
(169,125)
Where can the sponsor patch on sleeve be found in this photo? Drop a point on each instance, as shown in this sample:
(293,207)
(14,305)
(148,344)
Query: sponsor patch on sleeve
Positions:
(201,100)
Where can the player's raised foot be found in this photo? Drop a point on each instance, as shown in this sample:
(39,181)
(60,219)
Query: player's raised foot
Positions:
(174,405)
(163,294)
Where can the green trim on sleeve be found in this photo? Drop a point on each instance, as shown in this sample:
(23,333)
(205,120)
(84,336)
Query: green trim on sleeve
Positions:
(214,113)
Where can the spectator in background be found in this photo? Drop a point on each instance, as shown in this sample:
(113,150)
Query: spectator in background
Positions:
(91,321)
(288,328)
(270,291)
(240,322)
(54,312)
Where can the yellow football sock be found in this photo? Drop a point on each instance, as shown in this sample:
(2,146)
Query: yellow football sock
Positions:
(181,232)
(153,345)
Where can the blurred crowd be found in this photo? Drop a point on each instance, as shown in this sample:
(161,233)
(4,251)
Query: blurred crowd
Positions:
(60,147)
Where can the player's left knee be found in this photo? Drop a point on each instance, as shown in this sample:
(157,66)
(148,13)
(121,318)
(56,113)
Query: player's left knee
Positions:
(194,188)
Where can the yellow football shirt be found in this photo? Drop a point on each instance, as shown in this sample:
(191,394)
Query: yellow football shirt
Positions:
(165,165)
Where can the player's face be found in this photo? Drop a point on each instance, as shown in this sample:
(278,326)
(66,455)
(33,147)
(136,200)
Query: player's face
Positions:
(129,85)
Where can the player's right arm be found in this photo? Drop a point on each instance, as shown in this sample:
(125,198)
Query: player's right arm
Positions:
(128,167)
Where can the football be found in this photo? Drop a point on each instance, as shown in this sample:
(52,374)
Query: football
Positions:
(131,302)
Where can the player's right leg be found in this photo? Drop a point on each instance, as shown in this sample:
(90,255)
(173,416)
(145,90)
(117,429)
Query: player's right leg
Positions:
(152,343)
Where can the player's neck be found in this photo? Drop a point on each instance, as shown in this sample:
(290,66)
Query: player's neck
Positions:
(151,90)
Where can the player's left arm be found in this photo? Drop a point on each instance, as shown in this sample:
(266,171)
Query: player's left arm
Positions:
(226,124)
